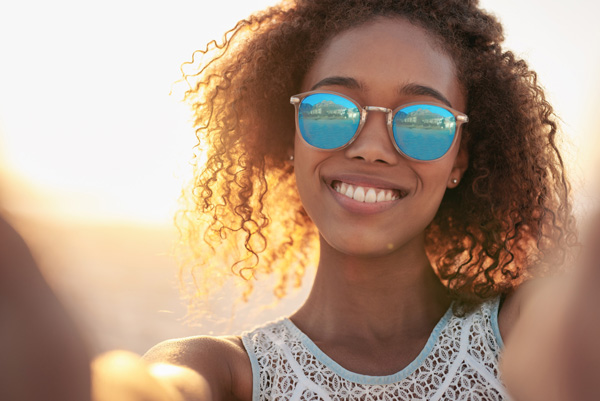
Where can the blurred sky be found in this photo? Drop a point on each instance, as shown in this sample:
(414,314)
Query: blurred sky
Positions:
(88,129)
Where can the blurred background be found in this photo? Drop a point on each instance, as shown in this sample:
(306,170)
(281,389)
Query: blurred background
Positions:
(94,151)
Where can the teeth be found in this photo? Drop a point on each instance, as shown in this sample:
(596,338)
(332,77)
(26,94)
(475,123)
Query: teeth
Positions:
(371,196)
(343,188)
(367,195)
(349,192)
(359,194)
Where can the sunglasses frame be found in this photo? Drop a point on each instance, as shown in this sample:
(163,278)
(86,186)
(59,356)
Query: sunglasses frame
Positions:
(460,118)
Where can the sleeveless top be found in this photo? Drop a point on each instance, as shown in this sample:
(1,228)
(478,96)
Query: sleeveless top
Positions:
(459,362)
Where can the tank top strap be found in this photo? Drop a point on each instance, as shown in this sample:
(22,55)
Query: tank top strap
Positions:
(460,358)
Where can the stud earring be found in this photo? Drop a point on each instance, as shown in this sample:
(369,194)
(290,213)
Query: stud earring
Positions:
(291,158)
(454,181)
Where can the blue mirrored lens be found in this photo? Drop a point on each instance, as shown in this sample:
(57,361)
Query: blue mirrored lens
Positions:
(424,132)
(327,121)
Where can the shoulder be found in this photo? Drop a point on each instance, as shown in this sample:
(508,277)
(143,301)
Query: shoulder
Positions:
(221,361)
(270,340)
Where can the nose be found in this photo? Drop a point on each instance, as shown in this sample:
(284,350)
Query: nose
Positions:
(373,142)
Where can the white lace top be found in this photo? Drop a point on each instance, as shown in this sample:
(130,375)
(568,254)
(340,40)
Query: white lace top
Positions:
(459,362)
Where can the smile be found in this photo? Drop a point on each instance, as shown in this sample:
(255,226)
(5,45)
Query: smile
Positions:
(366,194)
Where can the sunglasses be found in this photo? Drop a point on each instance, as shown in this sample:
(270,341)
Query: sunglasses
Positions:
(420,131)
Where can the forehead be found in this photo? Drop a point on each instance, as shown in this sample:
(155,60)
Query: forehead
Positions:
(388,53)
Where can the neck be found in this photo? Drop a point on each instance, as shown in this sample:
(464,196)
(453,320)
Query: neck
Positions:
(373,297)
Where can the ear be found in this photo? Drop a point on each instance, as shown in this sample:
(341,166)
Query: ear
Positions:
(460,166)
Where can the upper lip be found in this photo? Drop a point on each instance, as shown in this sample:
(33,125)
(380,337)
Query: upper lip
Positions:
(365,181)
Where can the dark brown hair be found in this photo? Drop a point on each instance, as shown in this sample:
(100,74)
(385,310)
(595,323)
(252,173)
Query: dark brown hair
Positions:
(510,213)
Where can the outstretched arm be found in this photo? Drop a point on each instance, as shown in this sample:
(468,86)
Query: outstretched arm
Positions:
(43,355)
(553,352)
(191,369)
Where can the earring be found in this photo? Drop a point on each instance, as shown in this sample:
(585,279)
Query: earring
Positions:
(454,181)
(291,158)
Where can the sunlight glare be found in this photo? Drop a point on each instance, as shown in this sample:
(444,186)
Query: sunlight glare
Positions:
(86,120)
(87,123)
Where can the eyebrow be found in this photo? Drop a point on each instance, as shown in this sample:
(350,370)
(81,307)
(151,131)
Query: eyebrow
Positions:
(420,90)
(346,82)
(408,89)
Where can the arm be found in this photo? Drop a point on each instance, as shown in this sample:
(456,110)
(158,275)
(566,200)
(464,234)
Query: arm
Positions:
(553,350)
(43,355)
(191,369)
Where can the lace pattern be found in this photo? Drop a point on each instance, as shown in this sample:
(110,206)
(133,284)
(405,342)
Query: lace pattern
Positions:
(459,362)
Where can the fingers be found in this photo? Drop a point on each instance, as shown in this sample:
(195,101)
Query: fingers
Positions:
(123,376)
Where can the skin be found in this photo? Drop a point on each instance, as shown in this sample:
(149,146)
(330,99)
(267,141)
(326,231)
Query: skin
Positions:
(376,266)
(44,356)
(367,266)
(552,353)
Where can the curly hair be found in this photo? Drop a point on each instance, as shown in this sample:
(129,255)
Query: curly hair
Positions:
(511,213)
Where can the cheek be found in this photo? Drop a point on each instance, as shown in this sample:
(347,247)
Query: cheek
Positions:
(300,153)
(306,158)
(434,180)
(305,162)
(434,175)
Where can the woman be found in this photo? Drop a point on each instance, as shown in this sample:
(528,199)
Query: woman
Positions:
(425,163)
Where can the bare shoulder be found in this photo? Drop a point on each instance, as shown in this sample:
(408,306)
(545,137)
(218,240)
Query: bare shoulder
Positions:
(222,361)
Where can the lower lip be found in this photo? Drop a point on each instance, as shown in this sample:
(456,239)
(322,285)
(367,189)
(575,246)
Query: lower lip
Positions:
(355,206)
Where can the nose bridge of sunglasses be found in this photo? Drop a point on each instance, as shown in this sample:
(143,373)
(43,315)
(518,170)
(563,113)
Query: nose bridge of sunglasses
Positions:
(379,125)
(388,112)
(377,108)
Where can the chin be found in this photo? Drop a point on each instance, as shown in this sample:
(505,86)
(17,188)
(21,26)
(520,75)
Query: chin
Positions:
(361,247)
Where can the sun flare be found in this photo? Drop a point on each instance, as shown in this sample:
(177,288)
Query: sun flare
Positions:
(88,129)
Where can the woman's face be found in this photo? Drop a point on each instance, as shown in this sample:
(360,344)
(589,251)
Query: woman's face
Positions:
(385,63)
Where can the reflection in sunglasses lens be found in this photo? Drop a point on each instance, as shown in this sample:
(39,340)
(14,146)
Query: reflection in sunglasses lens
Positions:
(327,121)
(424,132)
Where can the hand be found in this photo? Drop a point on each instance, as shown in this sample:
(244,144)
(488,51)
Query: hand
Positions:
(123,376)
